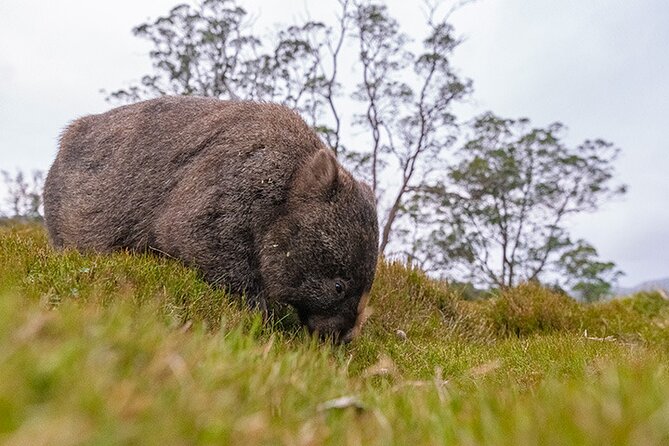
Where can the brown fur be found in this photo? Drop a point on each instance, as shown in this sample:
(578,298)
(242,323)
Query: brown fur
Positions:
(245,192)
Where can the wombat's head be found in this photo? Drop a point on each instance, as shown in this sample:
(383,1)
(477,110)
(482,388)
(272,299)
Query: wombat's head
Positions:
(320,256)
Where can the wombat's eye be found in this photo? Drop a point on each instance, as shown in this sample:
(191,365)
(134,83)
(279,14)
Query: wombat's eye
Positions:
(339,287)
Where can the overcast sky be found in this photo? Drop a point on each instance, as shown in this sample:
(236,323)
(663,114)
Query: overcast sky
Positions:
(599,66)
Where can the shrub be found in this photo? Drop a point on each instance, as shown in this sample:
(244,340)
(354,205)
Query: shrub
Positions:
(641,317)
(529,309)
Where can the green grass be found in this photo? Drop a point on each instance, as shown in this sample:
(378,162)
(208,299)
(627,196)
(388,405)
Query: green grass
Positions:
(135,349)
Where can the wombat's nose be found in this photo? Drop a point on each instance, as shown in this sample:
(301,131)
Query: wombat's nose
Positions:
(339,337)
(330,327)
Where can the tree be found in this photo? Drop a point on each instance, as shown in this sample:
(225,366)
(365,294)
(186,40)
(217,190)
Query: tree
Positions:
(585,274)
(405,98)
(210,50)
(196,50)
(408,100)
(502,214)
(24,194)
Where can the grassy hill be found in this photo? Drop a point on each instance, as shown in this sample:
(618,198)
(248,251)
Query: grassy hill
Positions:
(135,349)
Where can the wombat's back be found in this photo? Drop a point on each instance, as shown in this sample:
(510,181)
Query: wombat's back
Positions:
(123,178)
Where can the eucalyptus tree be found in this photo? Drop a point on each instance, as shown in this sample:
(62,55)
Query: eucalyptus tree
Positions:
(500,213)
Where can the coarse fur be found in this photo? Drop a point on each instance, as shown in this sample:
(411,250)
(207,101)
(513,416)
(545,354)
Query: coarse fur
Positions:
(245,192)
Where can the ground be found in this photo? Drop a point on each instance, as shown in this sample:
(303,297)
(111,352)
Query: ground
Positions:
(136,349)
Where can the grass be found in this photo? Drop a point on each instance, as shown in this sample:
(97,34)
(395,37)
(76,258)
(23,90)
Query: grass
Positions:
(135,349)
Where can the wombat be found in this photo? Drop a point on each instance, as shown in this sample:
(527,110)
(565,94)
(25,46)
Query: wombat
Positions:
(245,192)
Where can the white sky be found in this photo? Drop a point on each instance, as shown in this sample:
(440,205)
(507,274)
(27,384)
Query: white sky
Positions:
(599,66)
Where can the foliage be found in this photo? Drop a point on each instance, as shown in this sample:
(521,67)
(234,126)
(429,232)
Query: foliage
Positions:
(210,50)
(24,194)
(589,277)
(502,212)
(145,352)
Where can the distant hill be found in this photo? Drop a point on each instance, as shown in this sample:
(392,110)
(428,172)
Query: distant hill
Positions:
(651,285)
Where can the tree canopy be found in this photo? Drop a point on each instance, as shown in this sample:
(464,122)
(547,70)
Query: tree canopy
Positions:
(500,212)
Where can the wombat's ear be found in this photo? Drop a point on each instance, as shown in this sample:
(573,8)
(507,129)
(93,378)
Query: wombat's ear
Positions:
(318,176)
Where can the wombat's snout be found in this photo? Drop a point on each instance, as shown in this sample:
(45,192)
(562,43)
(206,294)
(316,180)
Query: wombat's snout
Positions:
(335,327)
(338,327)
